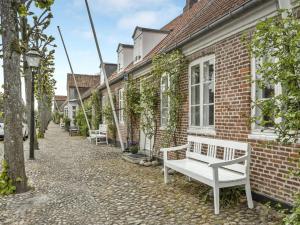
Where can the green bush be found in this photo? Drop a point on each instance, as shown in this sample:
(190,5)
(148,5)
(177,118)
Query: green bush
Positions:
(6,183)
(67,123)
(80,120)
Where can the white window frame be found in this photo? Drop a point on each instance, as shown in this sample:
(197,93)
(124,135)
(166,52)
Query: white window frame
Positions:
(210,130)
(163,126)
(121,105)
(256,131)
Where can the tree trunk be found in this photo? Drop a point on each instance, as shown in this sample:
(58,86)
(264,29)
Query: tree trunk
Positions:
(13,140)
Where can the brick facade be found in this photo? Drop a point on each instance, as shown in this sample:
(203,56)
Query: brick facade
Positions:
(271,163)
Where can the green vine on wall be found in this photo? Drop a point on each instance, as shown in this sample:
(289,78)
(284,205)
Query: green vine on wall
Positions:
(277,41)
(132,108)
(173,65)
(96,107)
(80,120)
(109,118)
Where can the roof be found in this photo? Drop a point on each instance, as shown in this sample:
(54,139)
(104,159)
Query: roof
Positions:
(83,80)
(60,98)
(110,68)
(124,46)
(200,15)
(144,29)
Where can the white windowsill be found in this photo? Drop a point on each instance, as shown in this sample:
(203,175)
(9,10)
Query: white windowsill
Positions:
(162,128)
(263,135)
(205,131)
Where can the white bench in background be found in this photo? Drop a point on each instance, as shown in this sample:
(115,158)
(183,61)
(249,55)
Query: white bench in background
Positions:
(202,164)
(100,135)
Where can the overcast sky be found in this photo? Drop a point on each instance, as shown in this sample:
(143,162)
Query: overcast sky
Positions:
(114,20)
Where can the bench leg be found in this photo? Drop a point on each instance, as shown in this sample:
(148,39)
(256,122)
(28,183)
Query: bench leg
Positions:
(166,174)
(217,200)
(248,194)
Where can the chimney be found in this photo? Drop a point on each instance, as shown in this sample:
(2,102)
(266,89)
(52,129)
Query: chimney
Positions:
(189,4)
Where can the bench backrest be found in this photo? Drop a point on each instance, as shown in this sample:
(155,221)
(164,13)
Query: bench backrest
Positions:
(216,150)
(103,128)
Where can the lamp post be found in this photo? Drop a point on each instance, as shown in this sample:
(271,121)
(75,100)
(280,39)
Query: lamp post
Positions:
(33,59)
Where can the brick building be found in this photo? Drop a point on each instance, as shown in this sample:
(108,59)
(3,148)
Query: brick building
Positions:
(217,86)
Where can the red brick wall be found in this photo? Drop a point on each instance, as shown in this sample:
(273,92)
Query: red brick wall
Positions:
(270,161)
(270,164)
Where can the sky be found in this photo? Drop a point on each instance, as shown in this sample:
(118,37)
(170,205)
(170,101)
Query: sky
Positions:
(114,21)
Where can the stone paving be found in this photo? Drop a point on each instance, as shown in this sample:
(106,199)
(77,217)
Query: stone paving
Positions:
(75,182)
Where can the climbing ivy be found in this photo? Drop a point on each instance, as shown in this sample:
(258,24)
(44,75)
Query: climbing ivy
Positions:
(109,118)
(6,183)
(276,41)
(132,97)
(80,120)
(96,107)
(173,65)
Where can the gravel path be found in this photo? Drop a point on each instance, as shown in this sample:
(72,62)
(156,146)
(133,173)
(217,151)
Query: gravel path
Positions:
(75,182)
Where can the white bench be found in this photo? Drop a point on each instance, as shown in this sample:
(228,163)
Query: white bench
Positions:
(214,162)
(99,135)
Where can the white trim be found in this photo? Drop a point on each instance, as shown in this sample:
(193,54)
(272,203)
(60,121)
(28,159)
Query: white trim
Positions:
(200,62)
(263,135)
(121,105)
(161,96)
(204,131)
(285,4)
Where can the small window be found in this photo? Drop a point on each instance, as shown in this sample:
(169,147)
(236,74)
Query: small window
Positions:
(121,105)
(261,94)
(73,112)
(202,93)
(165,100)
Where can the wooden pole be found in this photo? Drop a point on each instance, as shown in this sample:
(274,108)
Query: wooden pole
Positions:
(102,66)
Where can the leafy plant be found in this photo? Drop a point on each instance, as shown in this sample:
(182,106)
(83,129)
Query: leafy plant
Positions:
(80,120)
(173,65)
(277,41)
(228,196)
(96,109)
(109,118)
(67,123)
(6,183)
(132,98)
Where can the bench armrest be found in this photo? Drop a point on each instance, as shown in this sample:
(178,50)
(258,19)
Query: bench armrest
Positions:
(177,148)
(94,131)
(230,162)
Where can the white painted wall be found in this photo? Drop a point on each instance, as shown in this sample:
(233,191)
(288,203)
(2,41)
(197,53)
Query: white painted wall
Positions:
(125,56)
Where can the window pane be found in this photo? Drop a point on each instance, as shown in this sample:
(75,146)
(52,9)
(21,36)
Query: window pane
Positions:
(164,116)
(208,68)
(164,101)
(195,115)
(208,115)
(208,92)
(195,95)
(195,76)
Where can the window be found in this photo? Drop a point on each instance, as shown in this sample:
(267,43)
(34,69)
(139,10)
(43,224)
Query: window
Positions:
(202,93)
(121,105)
(165,100)
(73,112)
(66,112)
(261,93)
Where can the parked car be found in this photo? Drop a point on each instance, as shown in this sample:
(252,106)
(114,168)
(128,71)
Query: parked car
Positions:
(24,130)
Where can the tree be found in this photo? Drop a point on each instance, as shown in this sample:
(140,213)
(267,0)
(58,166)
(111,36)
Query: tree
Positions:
(13,140)
(276,44)
(12,48)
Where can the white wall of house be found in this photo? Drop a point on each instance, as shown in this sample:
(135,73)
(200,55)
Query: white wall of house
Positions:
(125,56)
(71,114)
(144,42)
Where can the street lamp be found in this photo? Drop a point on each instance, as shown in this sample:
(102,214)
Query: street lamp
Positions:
(33,59)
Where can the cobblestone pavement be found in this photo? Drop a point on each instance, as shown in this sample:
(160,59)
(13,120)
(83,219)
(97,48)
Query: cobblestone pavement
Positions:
(75,182)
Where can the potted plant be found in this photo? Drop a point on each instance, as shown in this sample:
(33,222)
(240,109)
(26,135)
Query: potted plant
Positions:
(134,147)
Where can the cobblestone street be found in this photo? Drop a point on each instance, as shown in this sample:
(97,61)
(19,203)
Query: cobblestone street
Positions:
(75,182)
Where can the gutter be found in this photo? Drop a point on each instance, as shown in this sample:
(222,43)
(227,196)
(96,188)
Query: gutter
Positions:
(231,15)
